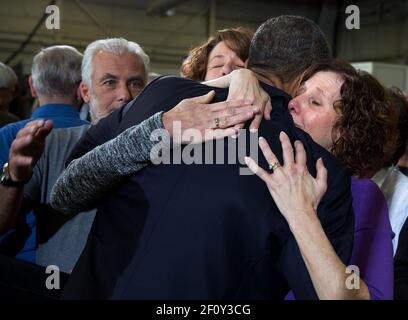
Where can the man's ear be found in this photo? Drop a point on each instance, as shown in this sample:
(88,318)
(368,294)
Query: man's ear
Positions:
(78,97)
(246,63)
(85,92)
(32,89)
(78,93)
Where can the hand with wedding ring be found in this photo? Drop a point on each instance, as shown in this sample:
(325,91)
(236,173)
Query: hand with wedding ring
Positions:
(196,120)
(245,85)
(292,187)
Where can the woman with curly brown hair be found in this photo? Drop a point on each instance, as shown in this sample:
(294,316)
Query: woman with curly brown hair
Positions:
(350,114)
(361,122)
(226,51)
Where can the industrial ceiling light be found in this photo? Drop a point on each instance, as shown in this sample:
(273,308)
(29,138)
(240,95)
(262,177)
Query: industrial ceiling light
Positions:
(163,8)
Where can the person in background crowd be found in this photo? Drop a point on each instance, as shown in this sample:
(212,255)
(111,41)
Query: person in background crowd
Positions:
(391,181)
(54,81)
(8,83)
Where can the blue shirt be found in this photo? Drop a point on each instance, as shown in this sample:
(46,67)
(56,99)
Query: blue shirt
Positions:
(63,116)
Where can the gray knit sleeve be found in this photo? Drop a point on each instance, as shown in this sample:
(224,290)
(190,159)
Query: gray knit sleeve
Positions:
(88,178)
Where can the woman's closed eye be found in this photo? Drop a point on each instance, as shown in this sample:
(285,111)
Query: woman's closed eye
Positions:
(316,103)
(217,66)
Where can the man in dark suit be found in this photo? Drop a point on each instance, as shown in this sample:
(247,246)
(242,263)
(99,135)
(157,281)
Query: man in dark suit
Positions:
(203,231)
(401,265)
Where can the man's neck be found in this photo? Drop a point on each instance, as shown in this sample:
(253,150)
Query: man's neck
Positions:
(56,100)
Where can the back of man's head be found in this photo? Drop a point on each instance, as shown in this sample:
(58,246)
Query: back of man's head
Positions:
(8,82)
(56,71)
(8,78)
(286,45)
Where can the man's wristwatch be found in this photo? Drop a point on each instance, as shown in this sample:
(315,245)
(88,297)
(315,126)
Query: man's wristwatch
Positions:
(6,180)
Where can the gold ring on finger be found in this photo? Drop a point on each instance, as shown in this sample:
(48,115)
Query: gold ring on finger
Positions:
(274,166)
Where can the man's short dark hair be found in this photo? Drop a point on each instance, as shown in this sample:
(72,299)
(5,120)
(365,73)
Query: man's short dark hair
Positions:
(287,45)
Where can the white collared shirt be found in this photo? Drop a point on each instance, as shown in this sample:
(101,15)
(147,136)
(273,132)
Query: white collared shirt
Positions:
(394,185)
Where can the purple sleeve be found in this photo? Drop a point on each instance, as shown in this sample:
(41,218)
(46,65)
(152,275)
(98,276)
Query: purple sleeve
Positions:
(372,249)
